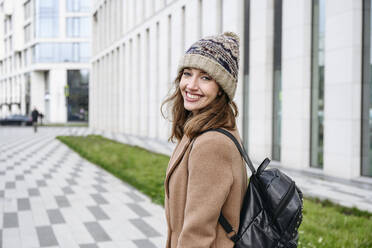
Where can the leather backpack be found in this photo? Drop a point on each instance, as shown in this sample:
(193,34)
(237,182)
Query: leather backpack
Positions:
(272,208)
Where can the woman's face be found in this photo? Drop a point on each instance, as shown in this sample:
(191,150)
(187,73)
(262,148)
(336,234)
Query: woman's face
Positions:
(198,89)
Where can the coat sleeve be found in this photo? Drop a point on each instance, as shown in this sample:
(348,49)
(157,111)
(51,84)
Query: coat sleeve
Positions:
(209,182)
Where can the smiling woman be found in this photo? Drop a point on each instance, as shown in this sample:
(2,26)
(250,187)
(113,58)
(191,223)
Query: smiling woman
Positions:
(206,175)
(198,89)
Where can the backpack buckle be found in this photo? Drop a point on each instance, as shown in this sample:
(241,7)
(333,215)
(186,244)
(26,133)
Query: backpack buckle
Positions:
(232,236)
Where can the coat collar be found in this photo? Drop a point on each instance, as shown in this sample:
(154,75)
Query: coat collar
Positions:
(177,155)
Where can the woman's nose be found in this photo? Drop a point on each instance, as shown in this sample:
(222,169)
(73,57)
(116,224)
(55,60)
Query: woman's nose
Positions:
(193,83)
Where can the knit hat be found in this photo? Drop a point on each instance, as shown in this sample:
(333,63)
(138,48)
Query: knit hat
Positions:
(218,56)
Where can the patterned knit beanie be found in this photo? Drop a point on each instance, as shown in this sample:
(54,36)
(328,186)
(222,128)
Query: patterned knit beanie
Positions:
(219,57)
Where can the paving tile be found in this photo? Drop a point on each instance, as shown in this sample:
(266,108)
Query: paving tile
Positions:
(145,228)
(10,185)
(99,199)
(62,201)
(97,232)
(99,188)
(46,236)
(89,246)
(67,190)
(98,213)
(23,204)
(144,243)
(138,210)
(134,196)
(19,177)
(10,220)
(55,216)
(41,183)
(33,192)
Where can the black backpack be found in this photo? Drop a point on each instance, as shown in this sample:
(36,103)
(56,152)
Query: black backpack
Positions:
(272,209)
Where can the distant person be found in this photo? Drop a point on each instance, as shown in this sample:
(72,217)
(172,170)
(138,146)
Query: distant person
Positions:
(34,114)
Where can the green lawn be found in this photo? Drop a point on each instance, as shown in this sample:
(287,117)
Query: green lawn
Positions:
(324,224)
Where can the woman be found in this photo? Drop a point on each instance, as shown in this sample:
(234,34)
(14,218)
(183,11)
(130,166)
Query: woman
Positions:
(206,174)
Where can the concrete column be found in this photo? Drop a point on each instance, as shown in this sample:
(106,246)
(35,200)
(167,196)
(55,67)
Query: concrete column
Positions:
(144,90)
(37,91)
(121,72)
(127,88)
(191,23)
(177,47)
(58,108)
(210,18)
(163,76)
(261,79)
(153,81)
(296,84)
(135,84)
(342,89)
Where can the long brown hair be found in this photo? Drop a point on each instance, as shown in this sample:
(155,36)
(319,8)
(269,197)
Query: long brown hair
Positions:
(221,112)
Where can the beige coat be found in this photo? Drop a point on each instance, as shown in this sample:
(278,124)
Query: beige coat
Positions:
(202,178)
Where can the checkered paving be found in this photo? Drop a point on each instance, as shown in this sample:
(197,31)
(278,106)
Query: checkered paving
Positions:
(51,197)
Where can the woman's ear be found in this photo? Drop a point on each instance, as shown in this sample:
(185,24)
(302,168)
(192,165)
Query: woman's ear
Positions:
(219,93)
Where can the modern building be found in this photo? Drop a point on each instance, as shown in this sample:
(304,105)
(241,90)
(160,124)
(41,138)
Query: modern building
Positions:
(44,58)
(304,90)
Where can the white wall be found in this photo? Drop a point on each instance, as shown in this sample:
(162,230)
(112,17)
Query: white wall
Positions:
(342,109)
(296,83)
(261,79)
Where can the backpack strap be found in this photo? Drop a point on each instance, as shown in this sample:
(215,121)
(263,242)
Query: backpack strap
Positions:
(222,220)
(242,152)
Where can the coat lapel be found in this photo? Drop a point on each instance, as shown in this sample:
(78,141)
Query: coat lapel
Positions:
(175,159)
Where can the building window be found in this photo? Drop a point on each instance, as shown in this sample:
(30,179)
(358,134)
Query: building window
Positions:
(61,52)
(317,83)
(10,23)
(5,26)
(78,5)
(46,19)
(27,33)
(10,41)
(277,80)
(366,169)
(78,27)
(27,10)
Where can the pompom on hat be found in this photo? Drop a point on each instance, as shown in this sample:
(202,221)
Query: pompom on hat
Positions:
(218,56)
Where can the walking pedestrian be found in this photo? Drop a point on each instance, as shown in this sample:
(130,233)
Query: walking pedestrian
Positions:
(206,173)
(34,115)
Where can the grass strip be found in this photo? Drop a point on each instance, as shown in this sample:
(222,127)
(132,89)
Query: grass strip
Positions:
(325,224)
(142,169)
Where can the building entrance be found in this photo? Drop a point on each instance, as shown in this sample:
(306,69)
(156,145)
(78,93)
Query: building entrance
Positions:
(77,95)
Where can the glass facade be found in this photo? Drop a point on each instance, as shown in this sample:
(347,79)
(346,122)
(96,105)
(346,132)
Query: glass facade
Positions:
(277,80)
(60,52)
(77,100)
(78,5)
(46,18)
(78,27)
(317,83)
(366,169)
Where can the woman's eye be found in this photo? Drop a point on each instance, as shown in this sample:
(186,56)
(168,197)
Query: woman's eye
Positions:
(206,78)
(185,73)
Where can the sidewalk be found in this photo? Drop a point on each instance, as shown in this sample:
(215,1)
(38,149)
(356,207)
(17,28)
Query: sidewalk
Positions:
(51,197)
